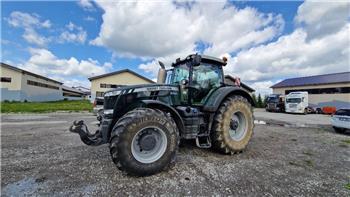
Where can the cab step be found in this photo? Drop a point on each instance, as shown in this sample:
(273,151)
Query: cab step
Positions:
(203,141)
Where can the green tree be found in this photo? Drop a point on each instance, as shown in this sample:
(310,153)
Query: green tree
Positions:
(265,101)
(254,99)
(259,103)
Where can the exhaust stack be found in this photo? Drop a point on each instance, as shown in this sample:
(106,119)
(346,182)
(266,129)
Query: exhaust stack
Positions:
(161,73)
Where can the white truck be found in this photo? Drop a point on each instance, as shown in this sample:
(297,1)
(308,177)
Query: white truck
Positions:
(297,102)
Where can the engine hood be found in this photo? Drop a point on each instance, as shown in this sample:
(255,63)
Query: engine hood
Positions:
(141,88)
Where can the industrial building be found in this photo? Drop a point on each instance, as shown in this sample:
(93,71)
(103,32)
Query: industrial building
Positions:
(324,90)
(21,85)
(105,82)
(70,93)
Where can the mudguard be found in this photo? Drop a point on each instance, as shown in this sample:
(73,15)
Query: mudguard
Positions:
(167,108)
(217,97)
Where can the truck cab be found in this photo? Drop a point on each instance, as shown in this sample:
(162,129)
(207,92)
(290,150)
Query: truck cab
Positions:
(297,102)
(275,103)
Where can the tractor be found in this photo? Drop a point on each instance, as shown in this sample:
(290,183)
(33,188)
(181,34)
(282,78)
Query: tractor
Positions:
(143,124)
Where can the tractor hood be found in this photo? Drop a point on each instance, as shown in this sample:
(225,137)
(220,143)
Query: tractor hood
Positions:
(141,88)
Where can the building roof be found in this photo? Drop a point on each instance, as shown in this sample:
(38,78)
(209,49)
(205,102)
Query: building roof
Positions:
(231,78)
(118,72)
(29,73)
(343,77)
(71,89)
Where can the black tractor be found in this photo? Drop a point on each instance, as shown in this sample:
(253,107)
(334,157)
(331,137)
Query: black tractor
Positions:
(143,124)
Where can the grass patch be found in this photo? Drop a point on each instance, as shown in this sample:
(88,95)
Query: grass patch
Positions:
(308,153)
(347,186)
(309,163)
(346,141)
(343,145)
(294,163)
(39,107)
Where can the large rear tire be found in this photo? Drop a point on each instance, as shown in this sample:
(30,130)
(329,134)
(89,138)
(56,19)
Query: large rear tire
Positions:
(144,142)
(339,130)
(233,125)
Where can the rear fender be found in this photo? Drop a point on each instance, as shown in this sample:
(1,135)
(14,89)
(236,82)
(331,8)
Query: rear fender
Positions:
(166,108)
(216,98)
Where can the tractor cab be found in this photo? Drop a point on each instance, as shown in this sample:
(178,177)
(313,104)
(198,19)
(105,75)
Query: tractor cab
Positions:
(197,77)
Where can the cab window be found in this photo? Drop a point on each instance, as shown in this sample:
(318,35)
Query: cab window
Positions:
(207,76)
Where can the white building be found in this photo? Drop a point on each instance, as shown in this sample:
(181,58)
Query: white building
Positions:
(105,82)
(323,90)
(20,85)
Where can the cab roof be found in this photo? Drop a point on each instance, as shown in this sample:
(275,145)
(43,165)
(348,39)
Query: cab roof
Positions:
(204,58)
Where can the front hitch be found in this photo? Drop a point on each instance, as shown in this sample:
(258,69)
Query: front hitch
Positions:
(85,136)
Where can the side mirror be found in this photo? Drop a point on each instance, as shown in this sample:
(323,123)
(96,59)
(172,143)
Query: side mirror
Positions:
(196,60)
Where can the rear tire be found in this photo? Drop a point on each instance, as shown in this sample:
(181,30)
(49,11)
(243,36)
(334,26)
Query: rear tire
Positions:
(144,142)
(339,130)
(233,125)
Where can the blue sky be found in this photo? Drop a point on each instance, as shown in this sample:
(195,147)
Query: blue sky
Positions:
(71,41)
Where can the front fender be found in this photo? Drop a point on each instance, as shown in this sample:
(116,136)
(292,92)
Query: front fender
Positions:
(216,98)
(166,108)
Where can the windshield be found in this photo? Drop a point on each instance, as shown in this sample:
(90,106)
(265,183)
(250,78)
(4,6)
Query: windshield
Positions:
(206,75)
(293,100)
(272,99)
(180,72)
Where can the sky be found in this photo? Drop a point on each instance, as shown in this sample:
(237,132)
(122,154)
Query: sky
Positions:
(265,42)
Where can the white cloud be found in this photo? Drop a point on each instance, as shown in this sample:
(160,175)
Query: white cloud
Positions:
(73,34)
(31,36)
(323,18)
(160,29)
(30,23)
(43,61)
(294,55)
(87,5)
(89,18)
(21,19)
(262,87)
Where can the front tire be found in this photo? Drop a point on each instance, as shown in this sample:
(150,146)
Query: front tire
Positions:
(233,125)
(339,130)
(144,142)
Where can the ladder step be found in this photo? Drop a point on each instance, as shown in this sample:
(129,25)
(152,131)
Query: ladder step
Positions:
(203,142)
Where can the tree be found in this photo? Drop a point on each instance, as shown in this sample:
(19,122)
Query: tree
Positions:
(265,101)
(259,102)
(254,99)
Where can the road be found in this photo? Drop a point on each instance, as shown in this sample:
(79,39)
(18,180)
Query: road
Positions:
(40,157)
(312,120)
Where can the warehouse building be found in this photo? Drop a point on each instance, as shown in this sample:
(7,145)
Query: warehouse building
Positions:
(105,82)
(71,93)
(21,85)
(324,90)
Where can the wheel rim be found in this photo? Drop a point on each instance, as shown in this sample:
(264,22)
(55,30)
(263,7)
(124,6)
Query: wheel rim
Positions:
(238,126)
(149,144)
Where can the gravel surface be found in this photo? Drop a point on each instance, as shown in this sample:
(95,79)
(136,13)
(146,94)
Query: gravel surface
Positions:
(296,119)
(45,159)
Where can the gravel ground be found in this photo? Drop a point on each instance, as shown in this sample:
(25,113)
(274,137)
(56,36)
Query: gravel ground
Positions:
(40,157)
(312,120)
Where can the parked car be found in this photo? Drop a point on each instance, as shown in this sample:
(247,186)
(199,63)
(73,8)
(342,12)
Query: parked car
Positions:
(98,105)
(341,120)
